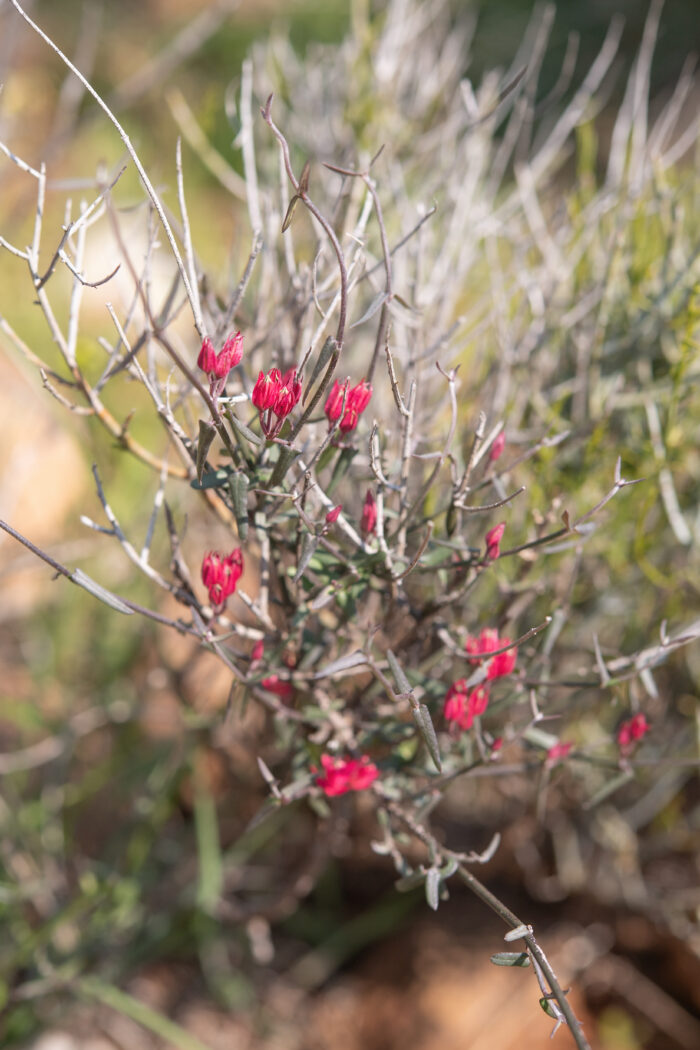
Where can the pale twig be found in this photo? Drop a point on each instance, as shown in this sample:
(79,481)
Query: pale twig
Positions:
(132,153)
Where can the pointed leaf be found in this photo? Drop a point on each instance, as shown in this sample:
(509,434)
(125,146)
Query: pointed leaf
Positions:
(207,433)
(291,208)
(308,546)
(424,722)
(510,959)
(398,673)
(242,429)
(322,360)
(238,487)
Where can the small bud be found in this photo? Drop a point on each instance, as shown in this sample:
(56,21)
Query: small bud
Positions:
(257,652)
(334,401)
(497,448)
(558,753)
(631,732)
(368,522)
(493,541)
(333,515)
(207,357)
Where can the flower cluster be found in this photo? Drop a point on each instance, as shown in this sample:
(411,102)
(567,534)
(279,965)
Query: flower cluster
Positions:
(631,732)
(218,366)
(275,395)
(462,706)
(220,575)
(488,642)
(341,775)
(355,401)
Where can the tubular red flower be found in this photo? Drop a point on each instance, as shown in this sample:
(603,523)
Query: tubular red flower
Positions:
(342,775)
(334,401)
(266,389)
(487,642)
(279,686)
(631,732)
(333,515)
(220,575)
(368,522)
(493,541)
(288,394)
(558,753)
(359,397)
(497,448)
(462,706)
(218,366)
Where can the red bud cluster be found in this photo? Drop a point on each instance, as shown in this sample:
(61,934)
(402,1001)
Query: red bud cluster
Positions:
(348,403)
(218,366)
(220,576)
(275,395)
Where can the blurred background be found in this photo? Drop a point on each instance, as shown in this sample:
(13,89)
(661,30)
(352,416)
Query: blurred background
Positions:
(112,766)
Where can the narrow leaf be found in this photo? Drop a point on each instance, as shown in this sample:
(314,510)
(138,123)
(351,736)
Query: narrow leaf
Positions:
(308,546)
(238,487)
(212,479)
(286,458)
(510,959)
(397,671)
(371,309)
(425,724)
(207,432)
(322,360)
(242,429)
(290,212)
(410,882)
(355,659)
(101,593)
(432,888)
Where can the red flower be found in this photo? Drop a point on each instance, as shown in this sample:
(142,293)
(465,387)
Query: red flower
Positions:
(368,522)
(266,389)
(278,394)
(334,401)
(220,575)
(558,753)
(356,401)
(462,707)
(288,394)
(218,366)
(630,732)
(493,541)
(257,652)
(487,642)
(342,775)
(333,515)
(279,686)
(497,448)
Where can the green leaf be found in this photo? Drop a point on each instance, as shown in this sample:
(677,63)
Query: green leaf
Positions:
(510,959)
(163,1027)
(424,722)
(238,487)
(432,888)
(398,673)
(212,479)
(322,360)
(211,874)
(207,433)
(242,429)
(308,546)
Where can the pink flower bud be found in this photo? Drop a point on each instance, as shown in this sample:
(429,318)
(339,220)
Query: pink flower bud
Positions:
(558,753)
(333,515)
(207,357)
(279,686)
(493,541)
(631,732)
(230,355)
(368,522)
(334,401)
(257,652)
(497,448)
